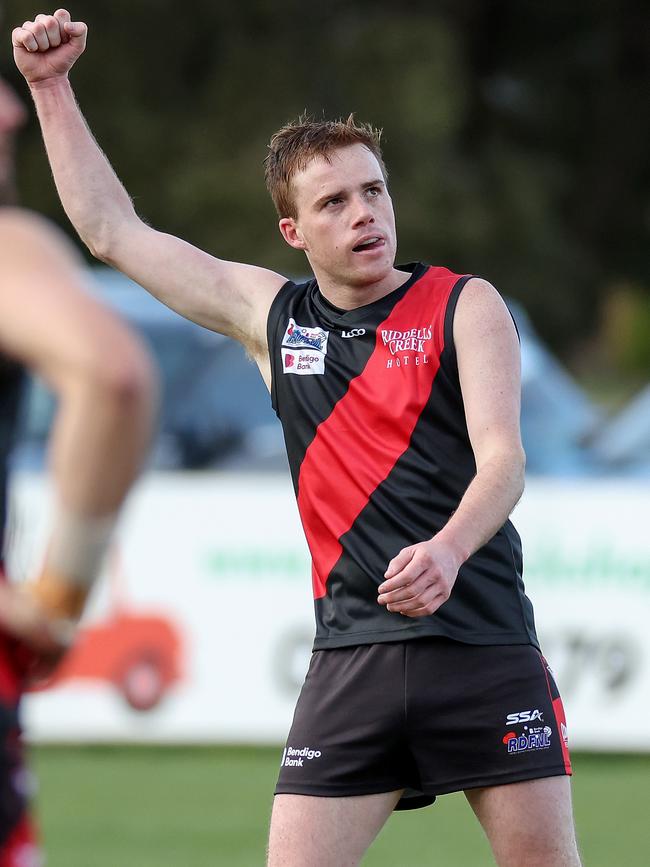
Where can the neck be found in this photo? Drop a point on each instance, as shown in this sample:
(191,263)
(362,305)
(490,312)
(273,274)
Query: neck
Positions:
(348,296)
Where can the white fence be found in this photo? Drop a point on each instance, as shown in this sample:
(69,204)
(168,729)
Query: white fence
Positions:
(202,627)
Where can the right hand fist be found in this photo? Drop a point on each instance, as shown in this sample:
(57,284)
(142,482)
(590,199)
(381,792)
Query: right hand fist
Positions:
(48,46)
(22,616)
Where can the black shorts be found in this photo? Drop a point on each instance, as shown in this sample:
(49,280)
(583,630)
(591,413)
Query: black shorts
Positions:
(429,716)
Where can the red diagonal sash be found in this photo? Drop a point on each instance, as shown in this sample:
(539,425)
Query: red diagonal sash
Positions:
(357,445)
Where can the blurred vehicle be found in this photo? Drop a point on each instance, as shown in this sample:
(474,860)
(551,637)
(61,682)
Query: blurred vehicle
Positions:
(558,419)
(216,411)
(624,442)
(138,652)
(134,652)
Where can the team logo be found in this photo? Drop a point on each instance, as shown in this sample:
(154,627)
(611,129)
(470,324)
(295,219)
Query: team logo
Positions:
(303,349)
(293,757)
(407,348)
(531,739)
(301,337)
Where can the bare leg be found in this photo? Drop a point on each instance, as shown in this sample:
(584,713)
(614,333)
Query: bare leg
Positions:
(311,831)
(528,824)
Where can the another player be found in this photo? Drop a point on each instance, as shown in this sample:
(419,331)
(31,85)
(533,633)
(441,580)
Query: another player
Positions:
(398,391)
(104,386)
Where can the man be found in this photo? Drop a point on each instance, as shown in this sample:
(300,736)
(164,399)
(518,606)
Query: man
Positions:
(398,390)
(104,387)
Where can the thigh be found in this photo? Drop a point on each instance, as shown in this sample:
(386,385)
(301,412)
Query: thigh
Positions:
(326,832)
(528,823)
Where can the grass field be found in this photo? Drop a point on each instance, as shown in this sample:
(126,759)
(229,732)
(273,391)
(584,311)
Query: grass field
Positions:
(207,807)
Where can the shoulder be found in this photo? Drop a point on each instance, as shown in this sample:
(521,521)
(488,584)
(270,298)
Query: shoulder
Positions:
(481,310)
(23,231)
(17,221)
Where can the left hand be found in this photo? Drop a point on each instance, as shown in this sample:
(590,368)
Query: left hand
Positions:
(420,578)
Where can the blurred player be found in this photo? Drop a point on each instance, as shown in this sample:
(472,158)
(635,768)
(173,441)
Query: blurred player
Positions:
(398,391)
(104,386)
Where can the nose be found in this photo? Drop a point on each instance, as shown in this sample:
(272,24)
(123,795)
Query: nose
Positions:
(13,113)
(362,214)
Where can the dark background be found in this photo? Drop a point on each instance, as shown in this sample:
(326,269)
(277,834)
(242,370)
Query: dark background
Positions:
(516,135)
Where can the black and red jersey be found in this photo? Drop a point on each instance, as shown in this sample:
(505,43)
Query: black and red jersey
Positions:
(375,430)
(11,383)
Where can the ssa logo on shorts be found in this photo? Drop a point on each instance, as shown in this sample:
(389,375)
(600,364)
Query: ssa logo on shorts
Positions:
(524,716)
(303,349)
(293,757)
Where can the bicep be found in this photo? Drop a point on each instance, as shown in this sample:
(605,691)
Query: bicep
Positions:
(487,349)
(229,297)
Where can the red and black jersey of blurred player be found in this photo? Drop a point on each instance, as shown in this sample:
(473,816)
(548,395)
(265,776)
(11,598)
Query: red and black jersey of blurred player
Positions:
(374,425)
(11,386)
(17,834)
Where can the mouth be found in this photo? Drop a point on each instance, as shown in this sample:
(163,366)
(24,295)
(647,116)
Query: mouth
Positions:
(372,242)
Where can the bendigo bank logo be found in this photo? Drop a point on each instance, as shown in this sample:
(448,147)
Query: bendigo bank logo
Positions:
(407,347)
(303,349)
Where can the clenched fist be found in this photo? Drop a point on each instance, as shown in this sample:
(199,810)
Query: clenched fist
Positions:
(47,47)
(420,578)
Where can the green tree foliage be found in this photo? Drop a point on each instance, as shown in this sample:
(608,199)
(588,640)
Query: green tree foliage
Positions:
(514,131)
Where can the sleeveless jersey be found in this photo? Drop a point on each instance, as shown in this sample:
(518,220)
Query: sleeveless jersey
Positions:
(372,413)
(11,381)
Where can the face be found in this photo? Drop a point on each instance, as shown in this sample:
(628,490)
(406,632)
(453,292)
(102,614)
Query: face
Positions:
(12,116)
(345,222)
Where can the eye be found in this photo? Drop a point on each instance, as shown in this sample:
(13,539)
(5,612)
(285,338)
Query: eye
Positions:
(334,201)
(373,191)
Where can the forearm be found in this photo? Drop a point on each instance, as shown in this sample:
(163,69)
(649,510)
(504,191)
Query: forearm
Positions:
(102,430)
(486,504)
(91,193)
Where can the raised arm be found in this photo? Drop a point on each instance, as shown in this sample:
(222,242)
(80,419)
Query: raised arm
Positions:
(421,577)
(228,297)
(105,389)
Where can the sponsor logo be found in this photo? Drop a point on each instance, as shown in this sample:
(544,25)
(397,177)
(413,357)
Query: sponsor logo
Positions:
(565,734)
(303,349)
(534,739)
(407,347)
(354,332)
(414,340)
(293,757)
(302,362)
(302,337)
(524,716)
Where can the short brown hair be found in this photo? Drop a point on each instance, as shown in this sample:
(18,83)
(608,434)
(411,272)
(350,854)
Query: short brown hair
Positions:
(293,147)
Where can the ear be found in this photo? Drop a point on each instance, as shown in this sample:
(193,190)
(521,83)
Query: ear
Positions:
(291,233)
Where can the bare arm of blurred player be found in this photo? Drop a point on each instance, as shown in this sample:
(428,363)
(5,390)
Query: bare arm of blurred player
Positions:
(228,297)
(421,577)
(105,388)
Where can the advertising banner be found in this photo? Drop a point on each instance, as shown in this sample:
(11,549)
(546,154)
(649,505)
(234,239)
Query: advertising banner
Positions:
(200,629)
